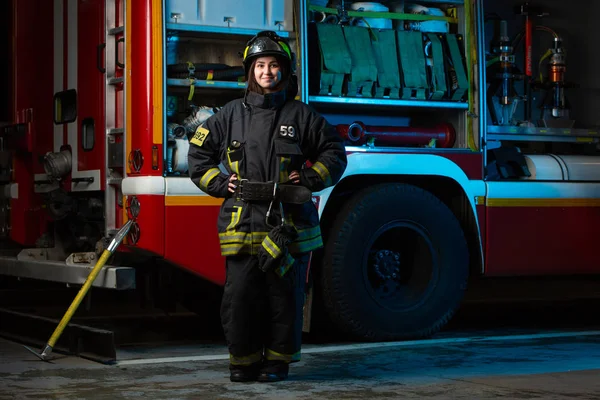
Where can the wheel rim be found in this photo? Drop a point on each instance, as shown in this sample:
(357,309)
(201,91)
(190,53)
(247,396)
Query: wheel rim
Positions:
(400,266)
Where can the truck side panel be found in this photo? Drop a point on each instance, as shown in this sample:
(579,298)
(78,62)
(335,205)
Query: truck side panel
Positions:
(551,226)
(90,83)
(199,252)
(32,54)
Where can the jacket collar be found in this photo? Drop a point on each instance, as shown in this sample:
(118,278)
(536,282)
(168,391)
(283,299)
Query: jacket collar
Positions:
(270,100)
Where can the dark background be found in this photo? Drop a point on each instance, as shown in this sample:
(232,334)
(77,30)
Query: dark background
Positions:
(5,57)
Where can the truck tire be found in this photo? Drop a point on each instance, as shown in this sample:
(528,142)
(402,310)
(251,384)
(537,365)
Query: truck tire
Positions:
(395,264)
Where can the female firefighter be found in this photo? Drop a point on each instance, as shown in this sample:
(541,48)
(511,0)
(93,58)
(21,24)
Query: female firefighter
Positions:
(267,224)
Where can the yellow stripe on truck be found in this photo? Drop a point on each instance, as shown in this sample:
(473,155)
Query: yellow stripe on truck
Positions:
(578,202)
(157,72)
(192,201)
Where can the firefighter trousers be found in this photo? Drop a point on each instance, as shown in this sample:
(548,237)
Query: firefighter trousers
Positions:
(262,313)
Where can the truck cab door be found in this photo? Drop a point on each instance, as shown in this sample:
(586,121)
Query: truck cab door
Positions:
(85,35)
(91,82)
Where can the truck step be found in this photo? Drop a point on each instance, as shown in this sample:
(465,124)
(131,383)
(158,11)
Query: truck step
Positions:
(34,330)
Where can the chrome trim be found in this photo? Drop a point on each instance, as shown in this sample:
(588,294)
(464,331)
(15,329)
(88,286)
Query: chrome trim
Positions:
(480,33)
(109,277)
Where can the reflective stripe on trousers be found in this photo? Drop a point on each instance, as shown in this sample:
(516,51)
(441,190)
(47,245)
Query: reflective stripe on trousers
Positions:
(261,313)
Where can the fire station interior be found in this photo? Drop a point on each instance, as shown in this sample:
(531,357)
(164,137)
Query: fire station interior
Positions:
(516,82)
(536,122)
(400,84)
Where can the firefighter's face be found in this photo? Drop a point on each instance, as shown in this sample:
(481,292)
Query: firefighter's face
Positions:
(267,73)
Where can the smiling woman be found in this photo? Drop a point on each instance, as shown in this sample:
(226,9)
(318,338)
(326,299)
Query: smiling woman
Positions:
(271,67)
(264,142)
(266,72)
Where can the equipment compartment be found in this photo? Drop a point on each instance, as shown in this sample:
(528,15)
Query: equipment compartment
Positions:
(349,59)
(203,71)
(416,77)
(250,14)
(542,83)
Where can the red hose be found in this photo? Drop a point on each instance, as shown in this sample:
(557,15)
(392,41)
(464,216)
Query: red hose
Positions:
(358,133)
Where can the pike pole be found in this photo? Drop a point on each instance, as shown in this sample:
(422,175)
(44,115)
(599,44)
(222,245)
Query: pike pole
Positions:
(114,244)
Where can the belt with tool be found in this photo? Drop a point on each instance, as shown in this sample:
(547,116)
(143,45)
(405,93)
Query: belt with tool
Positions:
(272,191)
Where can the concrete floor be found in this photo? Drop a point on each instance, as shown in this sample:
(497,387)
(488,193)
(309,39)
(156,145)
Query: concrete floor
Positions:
(539,366)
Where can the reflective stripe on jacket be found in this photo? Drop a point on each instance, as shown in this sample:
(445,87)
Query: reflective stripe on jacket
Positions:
(264,142)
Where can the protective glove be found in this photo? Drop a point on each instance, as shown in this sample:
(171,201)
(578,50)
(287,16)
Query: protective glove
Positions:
(273,254)
(310,179)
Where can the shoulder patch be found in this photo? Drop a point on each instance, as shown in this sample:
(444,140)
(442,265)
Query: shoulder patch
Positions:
(287,131)
(200,136)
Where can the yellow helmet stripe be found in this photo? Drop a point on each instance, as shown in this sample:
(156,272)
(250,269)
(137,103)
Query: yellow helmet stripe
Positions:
(286,48)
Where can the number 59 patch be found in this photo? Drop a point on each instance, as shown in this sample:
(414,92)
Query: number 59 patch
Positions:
(200,136)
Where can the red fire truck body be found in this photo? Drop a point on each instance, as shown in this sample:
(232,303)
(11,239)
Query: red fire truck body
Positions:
(451,173)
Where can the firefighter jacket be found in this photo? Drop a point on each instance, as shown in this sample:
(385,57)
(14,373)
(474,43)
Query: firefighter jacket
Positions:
(262,139)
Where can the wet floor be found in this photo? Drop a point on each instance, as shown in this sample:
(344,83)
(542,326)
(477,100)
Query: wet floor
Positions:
(526,350)
(548,365)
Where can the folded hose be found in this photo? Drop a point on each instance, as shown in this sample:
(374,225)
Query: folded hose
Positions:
(184,67)
(219,72)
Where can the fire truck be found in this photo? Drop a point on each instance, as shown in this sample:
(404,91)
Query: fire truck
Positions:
(471,128)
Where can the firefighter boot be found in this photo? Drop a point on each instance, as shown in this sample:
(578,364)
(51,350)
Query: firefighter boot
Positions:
(244,373)
(273,371)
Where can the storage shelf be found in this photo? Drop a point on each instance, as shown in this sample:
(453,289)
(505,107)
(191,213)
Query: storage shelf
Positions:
(526,134)
(207,84)
(218,29)
(372,101)
(390,15)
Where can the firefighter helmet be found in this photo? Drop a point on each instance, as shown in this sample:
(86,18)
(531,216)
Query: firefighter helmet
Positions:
(267,43)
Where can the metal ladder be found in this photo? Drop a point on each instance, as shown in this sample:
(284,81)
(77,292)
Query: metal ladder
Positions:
(115,129)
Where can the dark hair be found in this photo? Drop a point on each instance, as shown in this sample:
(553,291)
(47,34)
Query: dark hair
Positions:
(281,85)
